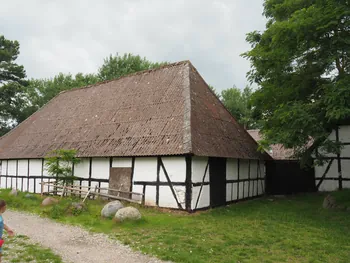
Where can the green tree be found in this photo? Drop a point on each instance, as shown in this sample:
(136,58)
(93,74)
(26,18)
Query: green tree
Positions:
(117,66)
(60,163)
(12,90)
(40,91)
(238,103)
(301,65)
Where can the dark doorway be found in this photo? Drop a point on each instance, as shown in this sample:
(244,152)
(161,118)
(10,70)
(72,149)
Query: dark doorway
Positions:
(217,175)
(120,179)
(287,177)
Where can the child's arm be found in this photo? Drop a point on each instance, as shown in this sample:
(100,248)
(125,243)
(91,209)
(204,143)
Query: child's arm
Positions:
(9,230)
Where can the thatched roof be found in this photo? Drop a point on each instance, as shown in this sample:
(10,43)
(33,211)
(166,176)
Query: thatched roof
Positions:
(166,111)
(277,151)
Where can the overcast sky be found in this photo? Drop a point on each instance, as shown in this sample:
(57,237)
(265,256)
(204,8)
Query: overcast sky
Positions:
(74,36)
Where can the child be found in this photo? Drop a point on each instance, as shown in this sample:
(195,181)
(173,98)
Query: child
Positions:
(2,225)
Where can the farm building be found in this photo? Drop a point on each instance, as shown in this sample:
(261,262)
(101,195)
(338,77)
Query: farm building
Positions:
(331,176)
(159,132)
(276,151)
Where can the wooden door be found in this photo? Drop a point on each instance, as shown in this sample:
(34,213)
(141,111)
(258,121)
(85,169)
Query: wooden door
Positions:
(120,179)
(217,175)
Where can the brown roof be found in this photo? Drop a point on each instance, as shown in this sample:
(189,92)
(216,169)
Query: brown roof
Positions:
(277,151)
(166,111)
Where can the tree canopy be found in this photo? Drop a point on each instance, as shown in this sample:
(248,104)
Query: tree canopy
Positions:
(301,65)
(117,66)
(238,103)
(12,91)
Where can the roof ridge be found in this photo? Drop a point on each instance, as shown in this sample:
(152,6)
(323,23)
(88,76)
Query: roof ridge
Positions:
(183,62)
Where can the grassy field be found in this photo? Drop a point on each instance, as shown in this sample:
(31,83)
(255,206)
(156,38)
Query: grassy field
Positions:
(293,229)
(19,249)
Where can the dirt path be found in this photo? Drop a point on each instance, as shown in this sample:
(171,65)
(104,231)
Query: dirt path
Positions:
(73,244)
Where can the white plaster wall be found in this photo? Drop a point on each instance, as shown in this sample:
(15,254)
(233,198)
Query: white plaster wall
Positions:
(166,197)
(198,169)
(246,189)
(175,167)
(251,189)
(345,151)
(145,169)
(82,169)
(243,169)
(253,169)
(344,133)
(11,167)
(327,185)
(231,169)
(332,136)
(3,167)
(204,199)
(23,167)
(35,167)
(9,182)
(228,192)
(122,162)
(100,168)
(2,182)
(137,189)
(240,194)
(150,196)
(25,184)
(345,169)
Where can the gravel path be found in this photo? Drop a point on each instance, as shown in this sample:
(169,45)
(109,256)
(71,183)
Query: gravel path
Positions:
(72,243)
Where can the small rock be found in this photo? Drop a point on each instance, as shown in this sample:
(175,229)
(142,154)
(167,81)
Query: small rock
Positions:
(111,208)
(341,207)
(329,202)
(127,213)
(29,196)
(78,206)
(49,201)
(348,208)
(14,192)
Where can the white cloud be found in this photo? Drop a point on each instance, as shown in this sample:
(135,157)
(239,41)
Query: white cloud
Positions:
(75,36)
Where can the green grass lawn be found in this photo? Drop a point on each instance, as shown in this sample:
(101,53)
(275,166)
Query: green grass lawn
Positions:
(19,249)
(293,229)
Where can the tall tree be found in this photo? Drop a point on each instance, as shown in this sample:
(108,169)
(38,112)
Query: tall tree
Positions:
(301,64)
(12,94)
(238,103)
(40,91)
(117,66)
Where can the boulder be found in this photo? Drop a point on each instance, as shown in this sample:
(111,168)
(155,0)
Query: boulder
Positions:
(14,192)
(111,208)
(127,213)
(29,196)
(49,201)
(329,202)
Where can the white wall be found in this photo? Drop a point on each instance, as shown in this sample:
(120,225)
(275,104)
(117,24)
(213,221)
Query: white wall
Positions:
(175,168)
(246,189)
(333,185)
(81,169)
(198,169)
(100,168)
(122,162)
(145,170)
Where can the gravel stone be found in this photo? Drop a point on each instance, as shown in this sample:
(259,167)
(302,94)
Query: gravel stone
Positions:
(72,243)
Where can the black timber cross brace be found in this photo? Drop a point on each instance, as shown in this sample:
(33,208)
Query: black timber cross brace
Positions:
(203,179)
(324,174)
(340,182)
(170,184)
